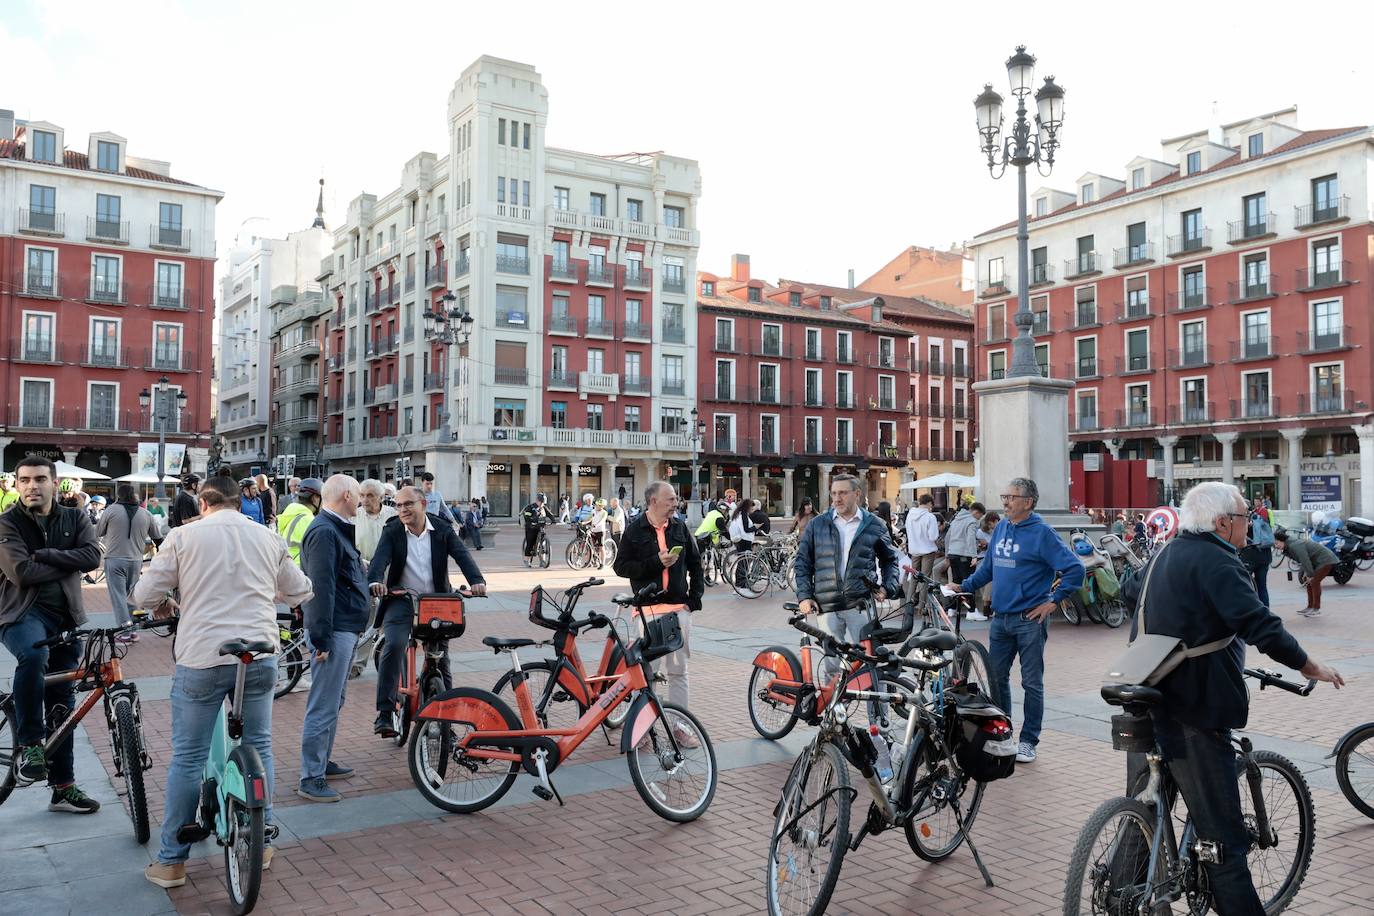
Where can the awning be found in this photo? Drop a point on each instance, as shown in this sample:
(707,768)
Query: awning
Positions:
(64,469)
(936,481)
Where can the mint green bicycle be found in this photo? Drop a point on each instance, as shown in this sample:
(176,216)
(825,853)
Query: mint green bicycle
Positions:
(233,793)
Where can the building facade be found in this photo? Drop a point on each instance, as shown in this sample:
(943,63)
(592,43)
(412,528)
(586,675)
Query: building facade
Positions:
(575,373)
(1212,309)
(926,273)
(106,287)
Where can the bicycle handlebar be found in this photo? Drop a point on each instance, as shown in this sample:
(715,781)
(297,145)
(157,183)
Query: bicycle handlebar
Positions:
(882,655)
(66,636)
(1269,678)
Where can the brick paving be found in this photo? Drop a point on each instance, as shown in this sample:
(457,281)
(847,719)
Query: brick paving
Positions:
(605,852)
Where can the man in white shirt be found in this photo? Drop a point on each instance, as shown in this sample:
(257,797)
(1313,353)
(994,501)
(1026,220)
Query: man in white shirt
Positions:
(922,534)
(230,571)
(372,515)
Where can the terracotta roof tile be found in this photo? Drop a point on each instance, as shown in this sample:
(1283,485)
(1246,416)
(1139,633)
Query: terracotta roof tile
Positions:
(14,149)
(913,306)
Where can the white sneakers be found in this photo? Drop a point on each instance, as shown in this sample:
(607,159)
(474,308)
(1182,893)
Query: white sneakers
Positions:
(976,615)
(1311,612)
(1025,753)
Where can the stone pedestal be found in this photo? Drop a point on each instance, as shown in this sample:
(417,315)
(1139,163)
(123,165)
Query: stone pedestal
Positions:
(446,464)
(1024,432)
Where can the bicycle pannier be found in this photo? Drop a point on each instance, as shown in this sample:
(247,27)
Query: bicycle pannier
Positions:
(984,741)
(440,615)
(662,635)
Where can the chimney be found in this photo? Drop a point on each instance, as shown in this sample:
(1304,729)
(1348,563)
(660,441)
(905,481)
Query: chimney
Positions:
(739,267)
(6,124)
(851,278)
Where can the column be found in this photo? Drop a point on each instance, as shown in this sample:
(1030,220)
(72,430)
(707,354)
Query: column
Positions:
(646,475)
(1292,438)
(1168,443)
(608,469)
(477,467)
(825,469)
(70,457)
(746,487)
(1366,435)
(787,506)
(534,478)
(1228,442)
(1113,447)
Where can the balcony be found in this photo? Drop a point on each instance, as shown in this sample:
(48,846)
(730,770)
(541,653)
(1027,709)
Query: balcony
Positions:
(725,343)
(1190,357)
(436,276)
(1135,417)
(410,283)
(512,264)
(1041,275)
(563,324)
(352,399)
(296,421)
(674,333)
(1040,324)
(845,400)
(845,447)
(372,301)
(335,362)
(169,238)
(1192,413)
(1330,277)
(297,383)
(815,399)
(1245,231)
(37,350)
(38,415)
(1084,422)
(108,292)
(461,266)
(47,223)
(393,292)
(1191,300)
(1133,255)
(1136,309)
(1084,368)
(766,394)
(1127,365)
(890,361)
(637,330)
(1258,408)
(1307,216)
(814,446)
(1085,265)
(106,420)
(673,283)
(1182,246)
(1327,340)
(1263,287)
(767,446)
(513,320)
(673,387)
(636,277)
(433,381)
(600,327)
(436,225)
(104,357)
(562,378)
(815,354)
(1324,402)
(721,390)
(309,348)
(991,289)
(845,356)
(512,376)
(168,359)
(408,385)
(637,384)
(995,332)
(1085,316)
(958,369)
(888,451)
(107,231)
(598,383)
(563,270)
(1252,348)
(772,348)
(600,274)
(168,296)
(379,395)
(40,285)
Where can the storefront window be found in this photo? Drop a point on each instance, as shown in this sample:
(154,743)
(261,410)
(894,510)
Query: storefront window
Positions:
(499,482)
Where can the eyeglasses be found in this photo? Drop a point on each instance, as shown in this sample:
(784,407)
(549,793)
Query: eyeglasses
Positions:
(1010,496)
(407,503)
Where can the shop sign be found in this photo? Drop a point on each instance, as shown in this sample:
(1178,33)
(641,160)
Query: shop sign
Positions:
(1092,461)
(1330,465)
(18,450)
(493,468)
(1321,492)
(586,470)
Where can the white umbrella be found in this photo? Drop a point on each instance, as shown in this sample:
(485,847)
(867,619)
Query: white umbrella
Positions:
(70,470)
(144,477)
(935,481)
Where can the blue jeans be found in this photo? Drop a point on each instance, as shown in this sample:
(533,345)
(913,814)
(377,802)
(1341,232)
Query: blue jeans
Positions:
(328,682)
(198,695)
(30,695)
(121,575)
(1012,635)
(396,624)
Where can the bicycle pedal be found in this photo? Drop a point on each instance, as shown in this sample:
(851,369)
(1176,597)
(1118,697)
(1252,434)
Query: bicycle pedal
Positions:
(543,793)
(192,833)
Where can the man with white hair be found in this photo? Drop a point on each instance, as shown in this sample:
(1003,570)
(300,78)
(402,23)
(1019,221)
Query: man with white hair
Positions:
(334,619)
(372,515)
(290,497)
(1201,592)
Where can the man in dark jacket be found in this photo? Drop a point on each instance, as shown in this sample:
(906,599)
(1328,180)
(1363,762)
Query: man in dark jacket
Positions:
(44,549)
(185,508)
(413,554)
(1200,591)
(658,548)
(334,619)
(840,552)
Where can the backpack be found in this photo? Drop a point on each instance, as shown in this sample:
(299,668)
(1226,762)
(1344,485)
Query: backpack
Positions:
(1261,532)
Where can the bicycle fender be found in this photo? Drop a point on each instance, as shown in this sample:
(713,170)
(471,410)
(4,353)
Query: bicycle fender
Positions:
(1346,738)
(245,777)
(481,709)
(644,712)
(781,661)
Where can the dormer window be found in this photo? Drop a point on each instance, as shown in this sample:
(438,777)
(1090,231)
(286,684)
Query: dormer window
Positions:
(44,146)
(1255,145)
(1137,179)
(107,156)
(825,303)
(1086,193)
(794,299)
(708,287)
(1042,206)
(755,295)
(1194,162)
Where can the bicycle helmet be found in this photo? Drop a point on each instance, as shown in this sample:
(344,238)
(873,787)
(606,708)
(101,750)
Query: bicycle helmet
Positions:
(7,478)
(310,486)
(69,485)
(246,482)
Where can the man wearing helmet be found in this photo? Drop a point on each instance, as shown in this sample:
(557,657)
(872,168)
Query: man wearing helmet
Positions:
(295,518)
(8,494)
(535,516)
(186,507)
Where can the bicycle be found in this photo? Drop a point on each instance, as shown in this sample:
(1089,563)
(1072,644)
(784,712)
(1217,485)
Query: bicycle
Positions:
(100,677)
(582,552)
(1128,859)
(436,618)
(912,778)
(474,745)
(1354,755)
(294,659)
(233,790)
(563,687)
(542,554)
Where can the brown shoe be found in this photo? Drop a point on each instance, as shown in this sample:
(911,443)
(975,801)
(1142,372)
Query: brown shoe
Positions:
(173,875)
(267,853)
(686,737)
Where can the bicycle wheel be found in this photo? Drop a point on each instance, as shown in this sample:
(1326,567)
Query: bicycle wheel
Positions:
(1072,609)
(1113,612)
(708,566)
(128,745)
(291,665)
(437,746)
(1278,871)
(973,665)
(243,853)
(772,718)
(1354,769)
(579,553)
(8,747)
(475,782)
(542,551)
(608,553)
(561,711)
(933,831)
(1364,564)
(810,834)
(675,790)
(1110,860)
(750,577)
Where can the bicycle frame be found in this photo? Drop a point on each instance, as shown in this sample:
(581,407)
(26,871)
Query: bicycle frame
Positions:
(787,688)
(235,771)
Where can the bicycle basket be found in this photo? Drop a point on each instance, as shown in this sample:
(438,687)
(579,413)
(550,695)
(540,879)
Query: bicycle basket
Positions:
(662,635)
(440,615)
(984,741)
(544,608)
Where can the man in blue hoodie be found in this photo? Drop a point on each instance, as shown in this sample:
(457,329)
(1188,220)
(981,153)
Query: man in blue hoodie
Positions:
(1025,557)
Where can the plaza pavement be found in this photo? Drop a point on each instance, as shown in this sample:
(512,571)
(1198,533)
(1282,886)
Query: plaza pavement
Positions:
(383,848)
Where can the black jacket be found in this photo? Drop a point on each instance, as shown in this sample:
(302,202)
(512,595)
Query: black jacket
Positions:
(29,559)
(184,508)
(638,560)
(1201,592)
(389,560)
(330,559)
(819,577)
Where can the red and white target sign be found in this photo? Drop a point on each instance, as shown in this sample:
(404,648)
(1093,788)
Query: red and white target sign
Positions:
(1163,522)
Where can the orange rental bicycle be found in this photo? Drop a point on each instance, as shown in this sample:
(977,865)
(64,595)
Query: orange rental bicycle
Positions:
(437,617)
(469,745)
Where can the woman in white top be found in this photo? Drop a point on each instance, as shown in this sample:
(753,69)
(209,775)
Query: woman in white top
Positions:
(596,527)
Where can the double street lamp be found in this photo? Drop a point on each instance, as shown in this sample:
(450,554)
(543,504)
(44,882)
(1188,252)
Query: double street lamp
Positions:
(161,406)
(1022,147)
(694,436)
(447,324)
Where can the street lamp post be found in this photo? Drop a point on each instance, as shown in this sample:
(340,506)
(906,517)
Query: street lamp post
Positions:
(694,512)
(447,324)
(157,399)
(1020,149)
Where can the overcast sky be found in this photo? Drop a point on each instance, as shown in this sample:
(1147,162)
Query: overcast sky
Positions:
(827,141)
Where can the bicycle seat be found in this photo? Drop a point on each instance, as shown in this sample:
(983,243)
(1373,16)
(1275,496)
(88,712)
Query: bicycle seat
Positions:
(241,646)
(1131,694)
(623,600)
(496,642)
(933,638)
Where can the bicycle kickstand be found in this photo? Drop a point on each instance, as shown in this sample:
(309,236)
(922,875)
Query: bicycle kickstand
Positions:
(968,838)
(545,789)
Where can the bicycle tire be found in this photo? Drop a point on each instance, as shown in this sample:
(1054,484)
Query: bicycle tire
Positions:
(1364,565)
(1342,573)
(1113,612)
(1091,609)
(243,854)
(750,578)
(127,739)
(973,664)
(564,708)
(9,747)
(922,826)
(1072,609)
(430,687)
(579,554)
(761,709)
(1304,832)
(642,760)
(1107,812)
(1359,792)
(795,797)
(503,772)
(291,667)
(543,551)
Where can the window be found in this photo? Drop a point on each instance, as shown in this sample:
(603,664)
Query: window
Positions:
(632,419)
(598,204)
(107,211)
(672,278)
(1194,162)
(1194,288)
(1087,410)
(596,416)
(1137,405)
(768,434)
(794,299)
(1042,358)
(1040,271)
(1042,206)
(813,343)
(1326,263)
(725,334)
(38,337)
(844,390)
(1137,179)
(36,409)
(107,156)
(755,294)
(1137,298)
(671,420)
(634,313)
(768,383)
(887,392)
(1087,357)
(104,346)
(1195,408)
(634,210)
(887,348)
(562,256)
(514,194)
(42,207)
(725,433)
(1256,275)
(813,388)
(512,254)
(524,193)
(105,283)
(936,440)
(1326,325)
(843,350)
(825,303)
(1087,260)
(997,322)
(996,276)
(501,131)
(1192,336)
(500,191)
(1085,306)
(772,340)
(1255,143)
(672,373)
(708,287)
(1137,350)
(673,217)
(560,198)
(632,367)
(1255,334)
(525,136)
(508,412)
(102,411)
(596,314)
(725,379)
(1137,249)
(44,146)
(558,363)
(1325,198)
(997,364)
(1088,194)
(1256,394)
(1192,230)
(1256,215)
(1327,393)
(167,292)
(169,224)
(40,277)
(844,436)
(596,361)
